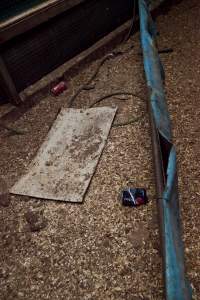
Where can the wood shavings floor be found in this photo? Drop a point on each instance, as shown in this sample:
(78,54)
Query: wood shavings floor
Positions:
(101,250)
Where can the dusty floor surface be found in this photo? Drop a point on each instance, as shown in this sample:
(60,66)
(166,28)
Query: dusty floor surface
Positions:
(101,250)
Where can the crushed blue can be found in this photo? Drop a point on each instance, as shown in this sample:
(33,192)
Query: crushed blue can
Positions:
(134,197)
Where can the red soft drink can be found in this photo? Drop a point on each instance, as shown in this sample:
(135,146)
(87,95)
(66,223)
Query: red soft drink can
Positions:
(59,88)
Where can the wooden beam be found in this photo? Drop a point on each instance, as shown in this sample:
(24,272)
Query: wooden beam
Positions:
(7,84)
(33,17)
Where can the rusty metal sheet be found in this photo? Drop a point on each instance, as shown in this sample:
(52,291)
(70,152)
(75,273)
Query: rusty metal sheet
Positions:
(66,161)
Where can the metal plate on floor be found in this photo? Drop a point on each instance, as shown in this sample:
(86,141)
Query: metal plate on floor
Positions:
(66,161)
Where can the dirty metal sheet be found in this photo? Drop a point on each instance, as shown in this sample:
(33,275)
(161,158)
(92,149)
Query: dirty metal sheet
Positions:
(66,161)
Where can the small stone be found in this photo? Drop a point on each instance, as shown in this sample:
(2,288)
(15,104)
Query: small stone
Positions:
(4,194)
(36,220)
(117,289)
(20,294)
(5,200)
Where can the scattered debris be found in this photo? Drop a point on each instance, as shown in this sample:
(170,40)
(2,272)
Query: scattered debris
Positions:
(59,88)
(4,194)
(113,95)
(134,197)
(166,50)
(131,120)
(90,80)
(161,51)
(13,131)
(5,199)
(87,85)
(36,220)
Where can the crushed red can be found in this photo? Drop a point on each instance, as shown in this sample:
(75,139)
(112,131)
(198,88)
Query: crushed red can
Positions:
(134,197)
(59,88)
